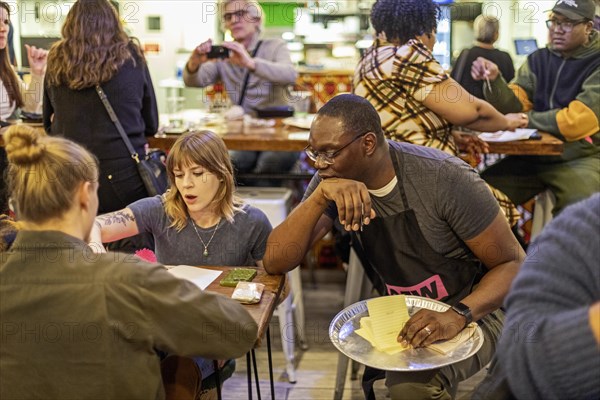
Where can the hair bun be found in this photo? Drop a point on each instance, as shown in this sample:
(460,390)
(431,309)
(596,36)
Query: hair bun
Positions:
(22,145)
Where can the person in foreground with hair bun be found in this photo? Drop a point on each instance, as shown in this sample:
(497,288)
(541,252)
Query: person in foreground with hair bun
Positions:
(76,324)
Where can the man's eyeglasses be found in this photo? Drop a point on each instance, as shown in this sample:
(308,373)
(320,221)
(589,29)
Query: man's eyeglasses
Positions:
(227,17)
(327,157)
(566,26)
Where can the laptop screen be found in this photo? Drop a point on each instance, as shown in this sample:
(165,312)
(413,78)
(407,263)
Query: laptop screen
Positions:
(525,46)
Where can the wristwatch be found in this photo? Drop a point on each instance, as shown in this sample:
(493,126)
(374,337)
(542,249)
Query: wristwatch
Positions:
(464,310)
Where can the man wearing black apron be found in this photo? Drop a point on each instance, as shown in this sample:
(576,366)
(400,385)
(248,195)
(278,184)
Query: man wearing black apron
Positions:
(425,224)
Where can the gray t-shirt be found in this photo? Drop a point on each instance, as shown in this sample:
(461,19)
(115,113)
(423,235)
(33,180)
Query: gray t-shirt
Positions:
(451,202)
(242,242)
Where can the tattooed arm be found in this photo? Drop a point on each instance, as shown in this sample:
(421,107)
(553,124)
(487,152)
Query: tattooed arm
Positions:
(112,226)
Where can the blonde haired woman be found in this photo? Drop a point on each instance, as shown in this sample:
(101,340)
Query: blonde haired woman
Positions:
(199,221)
(95,49)
(96,315)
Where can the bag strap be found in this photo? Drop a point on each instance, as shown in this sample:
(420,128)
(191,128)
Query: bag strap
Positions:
(460,67)
(247,77)
(115,120)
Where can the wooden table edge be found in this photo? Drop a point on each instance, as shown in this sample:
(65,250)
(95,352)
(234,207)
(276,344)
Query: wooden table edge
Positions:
(270,295)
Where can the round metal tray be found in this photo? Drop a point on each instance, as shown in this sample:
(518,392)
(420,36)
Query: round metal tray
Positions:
(342,332)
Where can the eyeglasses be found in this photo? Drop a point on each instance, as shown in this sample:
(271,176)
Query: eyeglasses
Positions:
(227,17)
(327,157)
(566,26)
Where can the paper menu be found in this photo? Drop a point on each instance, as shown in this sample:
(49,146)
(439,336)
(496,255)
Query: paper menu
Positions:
(366,331)
(387,316)
(198,276)
(507,136)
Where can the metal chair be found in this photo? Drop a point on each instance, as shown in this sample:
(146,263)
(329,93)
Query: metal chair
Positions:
(358,287)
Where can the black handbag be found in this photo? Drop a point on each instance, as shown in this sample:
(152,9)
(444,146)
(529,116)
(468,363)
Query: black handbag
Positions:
(152,168)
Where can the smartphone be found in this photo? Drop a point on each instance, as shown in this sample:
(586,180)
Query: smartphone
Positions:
(218,52)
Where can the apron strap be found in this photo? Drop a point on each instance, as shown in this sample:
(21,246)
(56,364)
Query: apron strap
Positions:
(371,272)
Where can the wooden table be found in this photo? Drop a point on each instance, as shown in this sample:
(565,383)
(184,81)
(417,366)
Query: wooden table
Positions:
(548,145)
(240,137)
(262,311)
(277,138)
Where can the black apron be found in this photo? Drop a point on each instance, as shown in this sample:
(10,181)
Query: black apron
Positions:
(395,253)
(400,256)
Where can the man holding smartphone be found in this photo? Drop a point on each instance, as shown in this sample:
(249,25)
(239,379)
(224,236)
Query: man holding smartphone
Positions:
(256,73)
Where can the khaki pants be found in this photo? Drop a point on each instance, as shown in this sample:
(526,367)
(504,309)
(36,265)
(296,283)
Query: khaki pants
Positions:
(521,178)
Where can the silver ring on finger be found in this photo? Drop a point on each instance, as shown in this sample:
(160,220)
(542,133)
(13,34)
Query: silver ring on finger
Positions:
(426,329)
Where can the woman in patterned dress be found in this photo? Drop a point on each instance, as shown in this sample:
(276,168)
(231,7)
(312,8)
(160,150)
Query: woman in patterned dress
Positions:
(417,100)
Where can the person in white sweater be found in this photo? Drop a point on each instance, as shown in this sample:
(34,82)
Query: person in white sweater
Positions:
(14,93)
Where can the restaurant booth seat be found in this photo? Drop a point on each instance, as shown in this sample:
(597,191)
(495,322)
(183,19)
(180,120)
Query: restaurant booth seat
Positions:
(276,203)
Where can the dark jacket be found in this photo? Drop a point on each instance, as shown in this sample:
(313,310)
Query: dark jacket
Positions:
(500,58)
(560,95)
(79,115)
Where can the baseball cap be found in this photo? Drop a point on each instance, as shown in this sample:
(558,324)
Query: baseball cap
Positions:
(575,9)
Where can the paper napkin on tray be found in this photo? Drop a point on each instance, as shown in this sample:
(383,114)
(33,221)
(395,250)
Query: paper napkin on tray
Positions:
(387,317)
(447,346)
(507,136)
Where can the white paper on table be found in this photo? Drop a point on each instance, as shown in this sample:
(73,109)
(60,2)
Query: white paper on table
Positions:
(300,122)
(303,135)
(200,277)
(507,136)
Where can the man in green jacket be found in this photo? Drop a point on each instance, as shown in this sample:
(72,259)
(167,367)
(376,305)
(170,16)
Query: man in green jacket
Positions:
(559,89)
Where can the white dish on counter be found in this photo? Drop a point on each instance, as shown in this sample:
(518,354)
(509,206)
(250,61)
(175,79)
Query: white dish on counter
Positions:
(300,122)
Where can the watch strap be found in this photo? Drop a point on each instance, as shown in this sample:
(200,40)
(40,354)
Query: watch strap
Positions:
(464,310)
